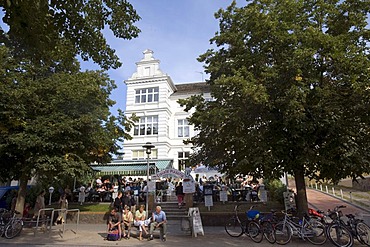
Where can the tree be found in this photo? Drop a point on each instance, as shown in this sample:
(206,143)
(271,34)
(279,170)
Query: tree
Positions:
(54,32)
(54,119)
(290,82)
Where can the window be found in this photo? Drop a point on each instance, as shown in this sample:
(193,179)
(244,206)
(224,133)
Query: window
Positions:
(146,126)
(141,154)
(146,95)
(182,128)
(183,160)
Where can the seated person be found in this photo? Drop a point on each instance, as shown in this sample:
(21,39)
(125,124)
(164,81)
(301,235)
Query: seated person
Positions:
(159,220)
(141,221)
(128,219)
(114,221)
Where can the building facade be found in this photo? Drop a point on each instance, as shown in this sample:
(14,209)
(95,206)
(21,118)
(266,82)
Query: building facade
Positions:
(152,96)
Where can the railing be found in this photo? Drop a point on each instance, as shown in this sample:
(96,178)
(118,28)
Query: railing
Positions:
(65,212)
(44,219)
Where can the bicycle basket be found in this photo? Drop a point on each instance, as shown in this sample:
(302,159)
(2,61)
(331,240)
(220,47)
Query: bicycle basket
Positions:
(253,214)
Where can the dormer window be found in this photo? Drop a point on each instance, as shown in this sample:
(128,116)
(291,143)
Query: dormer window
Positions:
(146,95)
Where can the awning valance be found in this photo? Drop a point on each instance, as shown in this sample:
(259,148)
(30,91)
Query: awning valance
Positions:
(132,167)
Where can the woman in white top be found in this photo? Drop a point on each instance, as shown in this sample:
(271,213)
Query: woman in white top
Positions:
(141,221)
(127,219)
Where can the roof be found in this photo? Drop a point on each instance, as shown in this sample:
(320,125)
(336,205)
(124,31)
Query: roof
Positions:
(192,88)
(132,167)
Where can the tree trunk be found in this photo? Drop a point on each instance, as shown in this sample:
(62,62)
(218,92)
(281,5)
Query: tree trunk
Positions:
(301,201)
(21,198)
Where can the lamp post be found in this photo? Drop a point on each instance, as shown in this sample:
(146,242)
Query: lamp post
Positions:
(148,146)
(51,190)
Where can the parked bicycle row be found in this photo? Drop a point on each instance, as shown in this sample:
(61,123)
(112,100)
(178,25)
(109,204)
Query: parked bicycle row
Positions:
(10,225)
(315,227)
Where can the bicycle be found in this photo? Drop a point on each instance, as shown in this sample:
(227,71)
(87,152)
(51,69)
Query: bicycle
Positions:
(262,226)
(235,227)
(337,231)
(359,229)
(312,230)
(10,225)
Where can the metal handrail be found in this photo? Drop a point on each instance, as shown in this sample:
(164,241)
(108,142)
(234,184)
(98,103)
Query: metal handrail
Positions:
(65,212)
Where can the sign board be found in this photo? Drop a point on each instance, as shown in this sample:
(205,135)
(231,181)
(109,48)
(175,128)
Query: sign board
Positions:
(208,201)
(151,186)
(223,196)
(188,186)
(196,220)
(208,190)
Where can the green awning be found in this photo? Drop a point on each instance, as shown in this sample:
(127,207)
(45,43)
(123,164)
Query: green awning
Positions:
(132,167)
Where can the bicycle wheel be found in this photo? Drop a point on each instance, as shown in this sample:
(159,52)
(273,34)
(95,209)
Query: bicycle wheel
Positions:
(283,233)
(363,233)
(233,227)
(255,232)
(14,228)
(314,231)
(339,235)
(268,231)
(2,229)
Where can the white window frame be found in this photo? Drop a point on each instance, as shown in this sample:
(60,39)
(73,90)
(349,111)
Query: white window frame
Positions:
(183,129)
(141,154)
(147,125)
(182,158)
(146,95)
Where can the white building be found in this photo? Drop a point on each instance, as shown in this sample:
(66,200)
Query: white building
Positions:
(152,96)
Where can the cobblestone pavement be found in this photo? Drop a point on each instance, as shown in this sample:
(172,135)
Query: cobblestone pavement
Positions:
(93,234)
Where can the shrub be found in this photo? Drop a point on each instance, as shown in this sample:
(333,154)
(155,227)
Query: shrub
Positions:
(275,190)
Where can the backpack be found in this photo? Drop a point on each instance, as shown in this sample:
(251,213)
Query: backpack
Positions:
(113,235)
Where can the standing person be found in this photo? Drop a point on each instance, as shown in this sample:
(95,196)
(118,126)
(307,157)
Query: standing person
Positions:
(63,204)
(141,221)
(127,219)
(68,193)
(129,200)
(40,204)
(117,204)
(159,220)
(180,194)
(81,195)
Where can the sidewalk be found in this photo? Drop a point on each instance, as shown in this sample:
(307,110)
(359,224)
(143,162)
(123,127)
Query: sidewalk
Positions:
(93,235)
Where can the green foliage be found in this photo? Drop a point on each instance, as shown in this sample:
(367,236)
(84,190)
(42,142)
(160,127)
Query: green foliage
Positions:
(54,32)
(275,189)
(55,120)
(290,81)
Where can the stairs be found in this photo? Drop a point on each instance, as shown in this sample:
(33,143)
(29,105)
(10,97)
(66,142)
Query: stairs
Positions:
(175,216)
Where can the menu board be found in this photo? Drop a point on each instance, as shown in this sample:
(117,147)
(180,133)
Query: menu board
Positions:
(196,221)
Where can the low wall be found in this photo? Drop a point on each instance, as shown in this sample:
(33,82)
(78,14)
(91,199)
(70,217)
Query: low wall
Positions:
(208,218)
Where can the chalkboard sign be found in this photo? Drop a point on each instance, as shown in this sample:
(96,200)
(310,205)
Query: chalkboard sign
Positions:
(196,221)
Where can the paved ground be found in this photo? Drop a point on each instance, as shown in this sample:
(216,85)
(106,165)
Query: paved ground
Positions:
(93,234)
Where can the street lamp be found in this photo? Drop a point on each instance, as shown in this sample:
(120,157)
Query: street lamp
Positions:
(51,190)
(148,146)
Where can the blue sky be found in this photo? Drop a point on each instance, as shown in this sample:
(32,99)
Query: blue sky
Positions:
(177,31)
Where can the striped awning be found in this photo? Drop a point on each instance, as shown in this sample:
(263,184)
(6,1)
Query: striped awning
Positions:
(132,167)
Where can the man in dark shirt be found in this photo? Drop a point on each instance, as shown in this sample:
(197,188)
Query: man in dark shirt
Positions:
(114,221)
